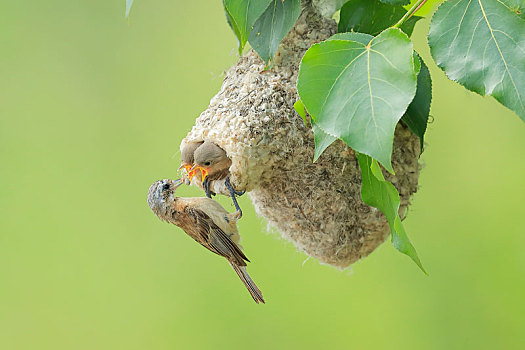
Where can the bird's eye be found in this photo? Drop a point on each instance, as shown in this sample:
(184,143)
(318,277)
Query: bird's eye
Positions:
(165,187)
(207,163)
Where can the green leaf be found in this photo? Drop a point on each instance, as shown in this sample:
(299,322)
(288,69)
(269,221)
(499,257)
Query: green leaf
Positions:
(481,45)
(381,194)
(417,63)
(396,2)
(337,4)
(322,141)
(242,15)
(299,108)
(516,6)
(417,113)
(358,37)
(272,26)
(372,17)
(128,7)
(327,8)
(358,92)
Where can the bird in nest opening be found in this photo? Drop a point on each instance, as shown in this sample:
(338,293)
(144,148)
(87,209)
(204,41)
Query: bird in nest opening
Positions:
(207,162)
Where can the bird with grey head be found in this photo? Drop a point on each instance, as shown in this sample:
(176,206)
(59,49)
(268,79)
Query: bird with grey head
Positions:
(207,222)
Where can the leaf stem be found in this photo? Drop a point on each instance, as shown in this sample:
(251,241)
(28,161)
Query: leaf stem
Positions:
(409,13)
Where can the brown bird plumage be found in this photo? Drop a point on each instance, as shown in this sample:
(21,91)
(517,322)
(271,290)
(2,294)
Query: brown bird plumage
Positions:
(207,222)
(214,164)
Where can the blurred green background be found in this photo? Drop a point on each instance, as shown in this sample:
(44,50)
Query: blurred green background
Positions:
(92,110)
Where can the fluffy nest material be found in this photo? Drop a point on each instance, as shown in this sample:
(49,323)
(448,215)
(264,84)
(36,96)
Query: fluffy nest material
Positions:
(318,205)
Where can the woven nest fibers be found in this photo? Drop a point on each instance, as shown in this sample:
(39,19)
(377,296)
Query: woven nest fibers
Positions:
(317,206)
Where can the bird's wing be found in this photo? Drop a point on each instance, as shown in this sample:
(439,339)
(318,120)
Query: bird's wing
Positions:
(215,238)
(227,222)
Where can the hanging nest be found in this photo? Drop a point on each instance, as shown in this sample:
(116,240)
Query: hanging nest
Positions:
(315,205)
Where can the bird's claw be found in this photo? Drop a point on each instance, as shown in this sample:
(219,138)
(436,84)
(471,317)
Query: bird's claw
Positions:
(232,194)
(206,187)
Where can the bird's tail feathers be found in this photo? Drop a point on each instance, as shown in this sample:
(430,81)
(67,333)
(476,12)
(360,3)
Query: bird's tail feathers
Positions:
(249,283)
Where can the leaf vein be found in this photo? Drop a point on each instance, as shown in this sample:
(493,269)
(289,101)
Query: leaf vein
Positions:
(387,60)
(500,53)
(338,77)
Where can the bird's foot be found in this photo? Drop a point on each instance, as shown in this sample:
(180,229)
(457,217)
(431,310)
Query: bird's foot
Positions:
(231,189)
(236,216)
(232,194)
(206,187)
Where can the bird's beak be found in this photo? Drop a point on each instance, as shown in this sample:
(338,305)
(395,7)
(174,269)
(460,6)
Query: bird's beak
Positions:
(189,170)
(204,171)
(177,183)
